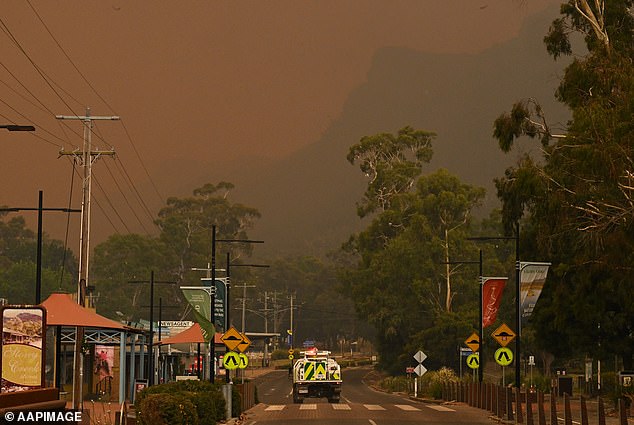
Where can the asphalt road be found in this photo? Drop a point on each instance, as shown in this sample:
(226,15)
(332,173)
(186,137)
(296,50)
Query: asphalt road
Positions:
(360,405)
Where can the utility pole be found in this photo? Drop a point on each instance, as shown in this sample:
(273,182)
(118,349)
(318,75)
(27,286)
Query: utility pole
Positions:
(244,287)
(86,158)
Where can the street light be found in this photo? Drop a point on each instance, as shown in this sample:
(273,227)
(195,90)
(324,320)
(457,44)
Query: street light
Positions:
(15,127)
(480,363)
(212,374)
(518,313)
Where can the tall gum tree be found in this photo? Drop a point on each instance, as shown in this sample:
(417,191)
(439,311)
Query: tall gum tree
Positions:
(577,200)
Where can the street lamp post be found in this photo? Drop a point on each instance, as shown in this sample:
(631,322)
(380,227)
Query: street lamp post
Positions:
(518,313)
(481,363)
(212,374)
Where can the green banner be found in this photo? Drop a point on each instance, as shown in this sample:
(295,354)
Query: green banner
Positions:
(200,299)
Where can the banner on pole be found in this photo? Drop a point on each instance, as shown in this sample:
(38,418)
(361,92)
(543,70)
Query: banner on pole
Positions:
(199,298)
(532,278)
(492,288)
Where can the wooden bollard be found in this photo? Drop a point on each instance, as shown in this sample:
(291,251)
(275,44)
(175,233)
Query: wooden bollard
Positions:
(601,412)
(529,410)
(541,414)
(509,404)
(584,411)
(519,416)
(553,407)
(622,411)
(567,413)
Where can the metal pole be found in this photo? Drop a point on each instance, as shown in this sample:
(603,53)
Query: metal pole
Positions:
(228,308)
(38,275)
(151,343)
(482,339)
(212,343)
(518,315)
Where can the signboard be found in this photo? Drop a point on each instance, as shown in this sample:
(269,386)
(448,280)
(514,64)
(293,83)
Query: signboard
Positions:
(420,357)
(473,361)
(420,370)
(503,335)
(503,356)
(532,278)
(473,342)
(244,361)
(232,338)
(23,352)
(244,344)
(220,300)
(231,360)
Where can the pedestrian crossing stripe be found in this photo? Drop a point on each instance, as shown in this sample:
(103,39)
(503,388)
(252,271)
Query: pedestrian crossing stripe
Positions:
(407,407)
(345,406)
(373,407)
(341,407)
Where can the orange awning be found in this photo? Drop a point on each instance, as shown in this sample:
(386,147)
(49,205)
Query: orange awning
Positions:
(61,310)
(190,335)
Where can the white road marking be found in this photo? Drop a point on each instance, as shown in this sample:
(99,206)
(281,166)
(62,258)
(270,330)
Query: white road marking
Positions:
(340,407)
(440,408)
(275,407)
(308,407)
(373,407)
(346,400)
(372,422)
(407,407)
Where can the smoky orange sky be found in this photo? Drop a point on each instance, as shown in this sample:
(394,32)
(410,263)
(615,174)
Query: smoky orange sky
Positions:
(209,81)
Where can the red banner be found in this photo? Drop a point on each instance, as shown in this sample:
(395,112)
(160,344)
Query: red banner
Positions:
(492,288)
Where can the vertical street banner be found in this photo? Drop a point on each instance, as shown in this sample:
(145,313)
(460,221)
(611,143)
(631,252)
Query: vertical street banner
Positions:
(492,289)
(199,297)
(220,301)
(532,278)
(23,351)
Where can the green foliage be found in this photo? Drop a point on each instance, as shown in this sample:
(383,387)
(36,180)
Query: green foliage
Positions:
(207,399)
(576,201)
(432,382)
(395,271)
(18,249)
(166,409)
(394,384)
(392,163)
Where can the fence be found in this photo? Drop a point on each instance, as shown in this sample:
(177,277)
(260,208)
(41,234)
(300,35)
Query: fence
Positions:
(510,404)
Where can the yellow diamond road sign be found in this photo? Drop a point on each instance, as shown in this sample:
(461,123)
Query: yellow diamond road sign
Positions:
(232,338)
(244,344)
(503,335)
(473,342)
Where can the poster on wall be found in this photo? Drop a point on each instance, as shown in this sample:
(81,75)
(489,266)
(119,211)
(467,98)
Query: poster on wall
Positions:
(22,351)
(104,362)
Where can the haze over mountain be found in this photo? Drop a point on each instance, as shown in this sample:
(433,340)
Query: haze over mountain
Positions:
(268,96)
(308,200)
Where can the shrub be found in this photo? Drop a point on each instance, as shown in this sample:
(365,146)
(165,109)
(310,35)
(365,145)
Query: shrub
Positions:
(433,381)
(207,398)
(166,409)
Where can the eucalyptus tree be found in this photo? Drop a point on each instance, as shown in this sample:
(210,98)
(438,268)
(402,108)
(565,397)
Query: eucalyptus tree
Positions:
(577,199)
(186,226)
(396,282)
